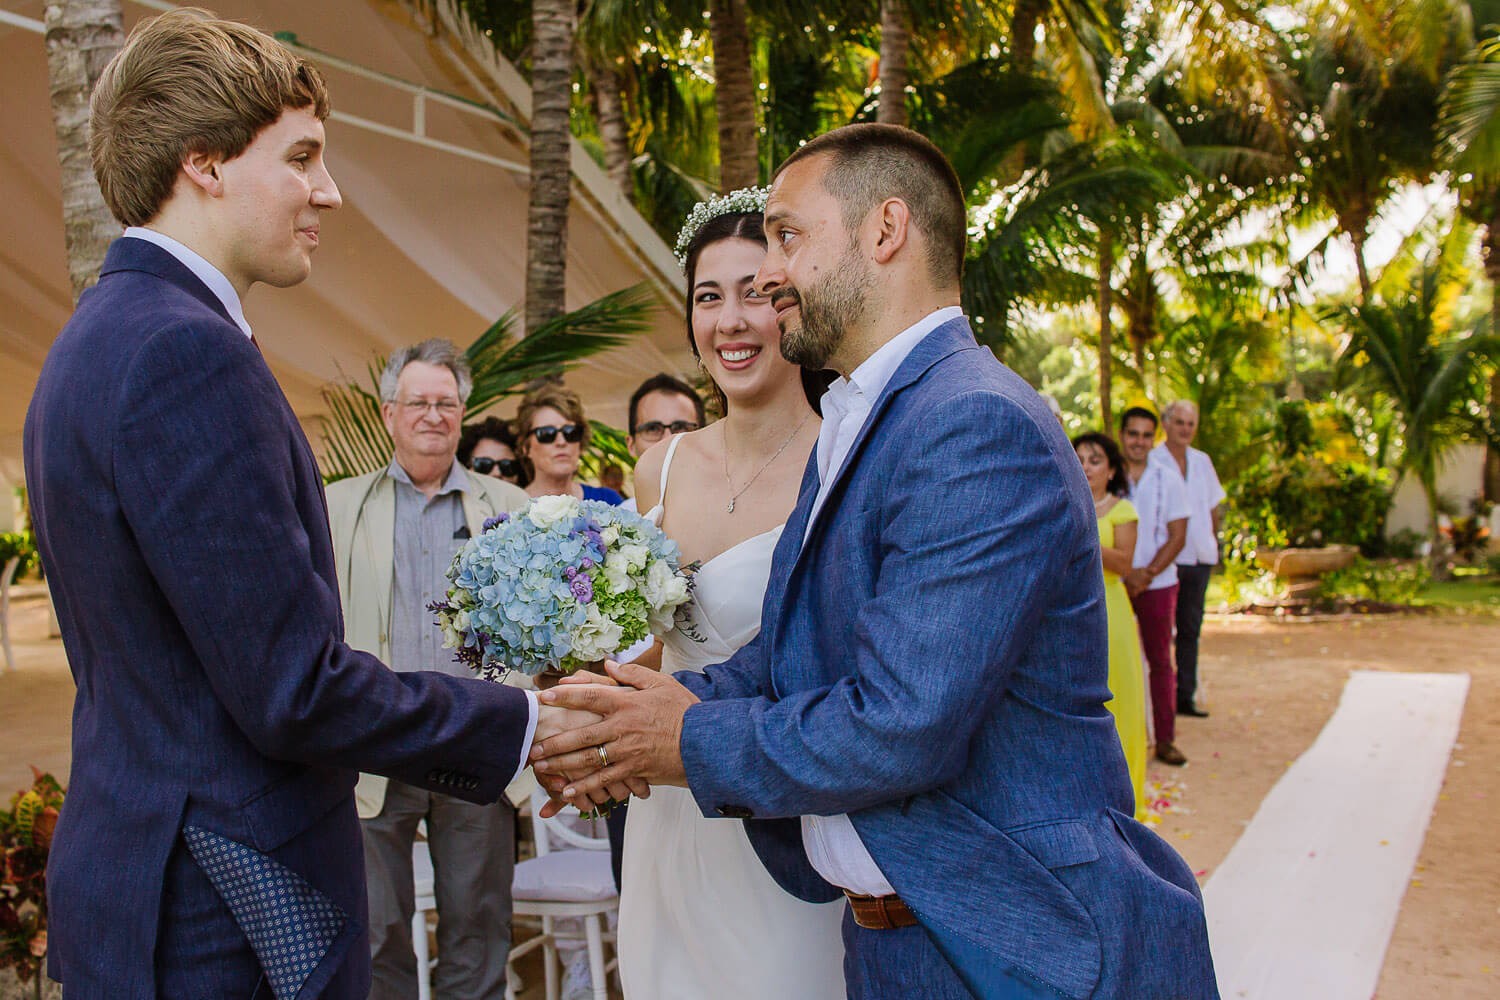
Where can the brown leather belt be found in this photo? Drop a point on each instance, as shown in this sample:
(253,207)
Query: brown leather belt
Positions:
(880,913)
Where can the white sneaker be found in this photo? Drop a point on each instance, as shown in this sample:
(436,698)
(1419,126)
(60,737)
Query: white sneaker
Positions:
(578,981)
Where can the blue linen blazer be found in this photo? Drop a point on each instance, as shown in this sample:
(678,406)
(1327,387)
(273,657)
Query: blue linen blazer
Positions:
(933,662)
(182,525)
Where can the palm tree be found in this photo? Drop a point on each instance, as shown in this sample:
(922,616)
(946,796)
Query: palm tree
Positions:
(895,74)
(551,160)
(734,95)
(1368,76)
(1429,377)
(81,37)
(1469,128)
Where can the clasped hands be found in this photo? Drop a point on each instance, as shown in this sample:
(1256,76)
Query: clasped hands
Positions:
(606,736)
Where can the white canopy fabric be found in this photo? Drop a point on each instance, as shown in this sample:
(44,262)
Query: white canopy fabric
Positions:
(431,240)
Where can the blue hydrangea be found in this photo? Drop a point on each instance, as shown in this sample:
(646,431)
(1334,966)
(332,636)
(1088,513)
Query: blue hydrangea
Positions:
(558,584)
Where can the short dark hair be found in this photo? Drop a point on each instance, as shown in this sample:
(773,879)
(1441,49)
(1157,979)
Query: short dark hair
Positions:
(872,161)
(1118,484)
(1137,411)
(490,429)
(663,382)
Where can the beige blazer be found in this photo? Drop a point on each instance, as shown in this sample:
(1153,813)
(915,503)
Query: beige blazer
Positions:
(362,519)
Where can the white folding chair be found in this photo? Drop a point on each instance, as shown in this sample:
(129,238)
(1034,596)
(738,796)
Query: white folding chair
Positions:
(8,573)
(569,877)
(421,869)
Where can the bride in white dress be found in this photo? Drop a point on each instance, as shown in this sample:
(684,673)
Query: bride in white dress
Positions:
(700,916)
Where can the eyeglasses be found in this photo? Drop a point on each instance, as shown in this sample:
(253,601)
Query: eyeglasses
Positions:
(546,434)
(509,467)
(446,408)
(652,430)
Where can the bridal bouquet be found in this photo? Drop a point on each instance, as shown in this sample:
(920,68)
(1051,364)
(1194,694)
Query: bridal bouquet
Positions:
(558,584)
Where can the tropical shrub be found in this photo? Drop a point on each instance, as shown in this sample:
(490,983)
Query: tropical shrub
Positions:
(1387,581)
(26,830)
(1304,501)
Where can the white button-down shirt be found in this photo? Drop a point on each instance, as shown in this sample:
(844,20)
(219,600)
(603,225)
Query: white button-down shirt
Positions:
(832,844)
(1204,493)
(1159,496)
(202,270)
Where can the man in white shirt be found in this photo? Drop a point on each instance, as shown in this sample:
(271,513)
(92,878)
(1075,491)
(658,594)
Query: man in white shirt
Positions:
(1200,553)
(1160,499)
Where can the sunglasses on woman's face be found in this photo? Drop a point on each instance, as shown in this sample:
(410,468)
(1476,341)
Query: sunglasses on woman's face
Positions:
(546,434)
(509,467)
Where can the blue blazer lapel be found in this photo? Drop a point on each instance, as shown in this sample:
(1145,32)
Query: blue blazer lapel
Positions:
(947,339)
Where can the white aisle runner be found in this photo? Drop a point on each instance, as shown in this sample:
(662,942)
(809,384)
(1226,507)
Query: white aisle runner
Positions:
(1304,905)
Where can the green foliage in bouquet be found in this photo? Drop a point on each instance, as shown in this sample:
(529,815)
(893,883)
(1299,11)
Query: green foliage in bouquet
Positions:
(26,830)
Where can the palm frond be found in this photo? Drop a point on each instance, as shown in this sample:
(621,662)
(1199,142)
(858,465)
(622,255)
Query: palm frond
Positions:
(504,364)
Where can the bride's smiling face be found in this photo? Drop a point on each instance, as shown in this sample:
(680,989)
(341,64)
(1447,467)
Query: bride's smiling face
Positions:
(734,327)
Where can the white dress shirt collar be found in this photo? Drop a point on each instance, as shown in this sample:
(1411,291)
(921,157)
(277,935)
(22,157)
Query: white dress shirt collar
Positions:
(851,398)
(205,272)
(876,371)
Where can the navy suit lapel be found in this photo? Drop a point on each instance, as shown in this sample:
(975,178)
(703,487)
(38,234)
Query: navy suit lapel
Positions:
(131,254)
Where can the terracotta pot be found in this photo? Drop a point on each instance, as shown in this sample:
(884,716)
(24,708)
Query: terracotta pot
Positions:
(1292,563)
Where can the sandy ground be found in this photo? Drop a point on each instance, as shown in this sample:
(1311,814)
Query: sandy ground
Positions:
(1270,687)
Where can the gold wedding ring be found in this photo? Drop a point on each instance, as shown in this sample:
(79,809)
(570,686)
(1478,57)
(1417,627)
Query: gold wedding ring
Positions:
(603,755)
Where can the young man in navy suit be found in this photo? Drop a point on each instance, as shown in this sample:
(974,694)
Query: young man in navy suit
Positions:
(920,723)
(209,845)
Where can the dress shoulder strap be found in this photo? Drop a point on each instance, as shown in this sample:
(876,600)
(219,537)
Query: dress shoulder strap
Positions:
(666,468)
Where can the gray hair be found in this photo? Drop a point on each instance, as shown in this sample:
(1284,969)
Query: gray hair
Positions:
(437,351)
(1178,404)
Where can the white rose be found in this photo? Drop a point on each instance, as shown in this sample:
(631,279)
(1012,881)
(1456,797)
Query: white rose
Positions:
(610,534)
(549,510)
(635,555)
(617,572)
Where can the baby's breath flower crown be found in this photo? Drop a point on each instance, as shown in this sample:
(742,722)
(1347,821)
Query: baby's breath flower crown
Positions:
(750,199)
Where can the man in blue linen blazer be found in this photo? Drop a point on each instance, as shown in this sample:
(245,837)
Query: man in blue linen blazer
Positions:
(932,661)
(208,846)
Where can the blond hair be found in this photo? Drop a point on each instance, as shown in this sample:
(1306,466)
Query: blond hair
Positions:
(188,82)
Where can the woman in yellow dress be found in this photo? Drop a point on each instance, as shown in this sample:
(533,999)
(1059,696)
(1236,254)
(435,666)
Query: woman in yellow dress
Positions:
(1105,468)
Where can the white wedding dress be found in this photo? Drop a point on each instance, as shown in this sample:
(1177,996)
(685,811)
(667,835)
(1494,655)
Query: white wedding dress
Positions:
(700,917)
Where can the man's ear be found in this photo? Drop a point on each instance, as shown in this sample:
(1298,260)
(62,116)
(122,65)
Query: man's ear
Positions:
(204,171)
(893,225)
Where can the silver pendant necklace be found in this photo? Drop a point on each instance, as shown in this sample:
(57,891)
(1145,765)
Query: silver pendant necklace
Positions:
(736,494)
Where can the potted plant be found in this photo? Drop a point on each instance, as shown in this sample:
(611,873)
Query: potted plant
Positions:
(26,830)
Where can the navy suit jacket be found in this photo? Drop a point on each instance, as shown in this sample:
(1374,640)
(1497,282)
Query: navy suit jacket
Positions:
(182,526)
(933,662)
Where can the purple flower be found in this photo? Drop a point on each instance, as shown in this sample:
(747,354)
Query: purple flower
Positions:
(583,588)
(498,519)
(569,573)
(586,564)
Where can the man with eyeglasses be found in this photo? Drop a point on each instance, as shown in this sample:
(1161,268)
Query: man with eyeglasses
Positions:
(395,532)
(661,406)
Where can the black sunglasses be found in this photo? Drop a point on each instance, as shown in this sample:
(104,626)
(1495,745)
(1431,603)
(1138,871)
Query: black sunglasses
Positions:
(653,429)
(572,433)
(509,467)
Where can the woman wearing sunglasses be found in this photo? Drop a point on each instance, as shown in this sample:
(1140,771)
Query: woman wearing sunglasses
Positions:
(551,432)
(489,448)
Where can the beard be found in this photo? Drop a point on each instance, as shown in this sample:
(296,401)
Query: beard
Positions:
(829,309)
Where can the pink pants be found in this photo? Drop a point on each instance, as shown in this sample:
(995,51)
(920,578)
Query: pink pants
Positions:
(1156,614)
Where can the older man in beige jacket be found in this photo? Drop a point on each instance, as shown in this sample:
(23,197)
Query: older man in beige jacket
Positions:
(395,532)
